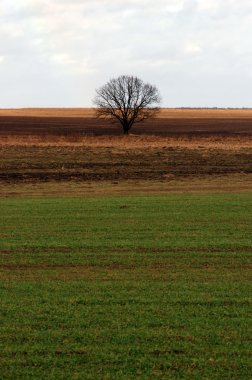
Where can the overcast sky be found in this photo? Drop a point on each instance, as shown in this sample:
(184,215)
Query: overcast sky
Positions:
(55,53)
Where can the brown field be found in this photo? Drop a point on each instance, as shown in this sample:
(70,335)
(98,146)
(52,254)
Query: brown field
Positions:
(169,122)
(163,113)
(70,151)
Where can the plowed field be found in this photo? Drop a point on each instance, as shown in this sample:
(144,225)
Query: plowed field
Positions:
(73,145)
(168,123)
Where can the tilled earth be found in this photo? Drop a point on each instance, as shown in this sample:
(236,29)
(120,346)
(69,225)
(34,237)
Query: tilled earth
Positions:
(31,162)
(34,163)
(65,126)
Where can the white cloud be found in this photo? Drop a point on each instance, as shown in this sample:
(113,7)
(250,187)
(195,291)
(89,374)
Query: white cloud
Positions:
(63,59)
(77,66)
(81,44)
(211,6)
(193,48)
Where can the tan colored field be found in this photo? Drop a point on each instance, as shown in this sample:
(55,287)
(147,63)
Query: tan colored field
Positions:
(163,113)
(130,142)
(238,183)
(48,112)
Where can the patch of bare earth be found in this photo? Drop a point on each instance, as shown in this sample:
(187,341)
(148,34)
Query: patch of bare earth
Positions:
(129,142)
(194,150)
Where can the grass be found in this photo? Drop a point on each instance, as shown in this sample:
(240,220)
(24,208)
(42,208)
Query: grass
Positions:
(121,287)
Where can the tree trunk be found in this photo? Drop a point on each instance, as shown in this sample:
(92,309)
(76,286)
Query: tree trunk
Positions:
(126,129)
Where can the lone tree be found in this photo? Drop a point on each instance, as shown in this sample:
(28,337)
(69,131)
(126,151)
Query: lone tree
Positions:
(128,100)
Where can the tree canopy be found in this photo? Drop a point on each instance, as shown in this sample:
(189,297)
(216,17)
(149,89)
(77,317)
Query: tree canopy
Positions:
(128,100)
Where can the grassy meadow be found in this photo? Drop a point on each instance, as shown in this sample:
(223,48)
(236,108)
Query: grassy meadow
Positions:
(126,287)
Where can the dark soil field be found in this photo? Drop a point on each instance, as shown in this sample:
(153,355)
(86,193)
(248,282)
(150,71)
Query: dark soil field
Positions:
(73,145)
(31,163)
(168,123)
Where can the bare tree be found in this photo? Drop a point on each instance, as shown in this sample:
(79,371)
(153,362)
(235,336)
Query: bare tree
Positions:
(128,100)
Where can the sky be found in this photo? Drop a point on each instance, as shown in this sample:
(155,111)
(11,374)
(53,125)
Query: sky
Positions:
(55,53)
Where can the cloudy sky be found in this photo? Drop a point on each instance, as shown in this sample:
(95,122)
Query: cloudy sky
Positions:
(55,53)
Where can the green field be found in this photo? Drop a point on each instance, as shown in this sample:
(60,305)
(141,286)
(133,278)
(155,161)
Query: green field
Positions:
(116,287)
